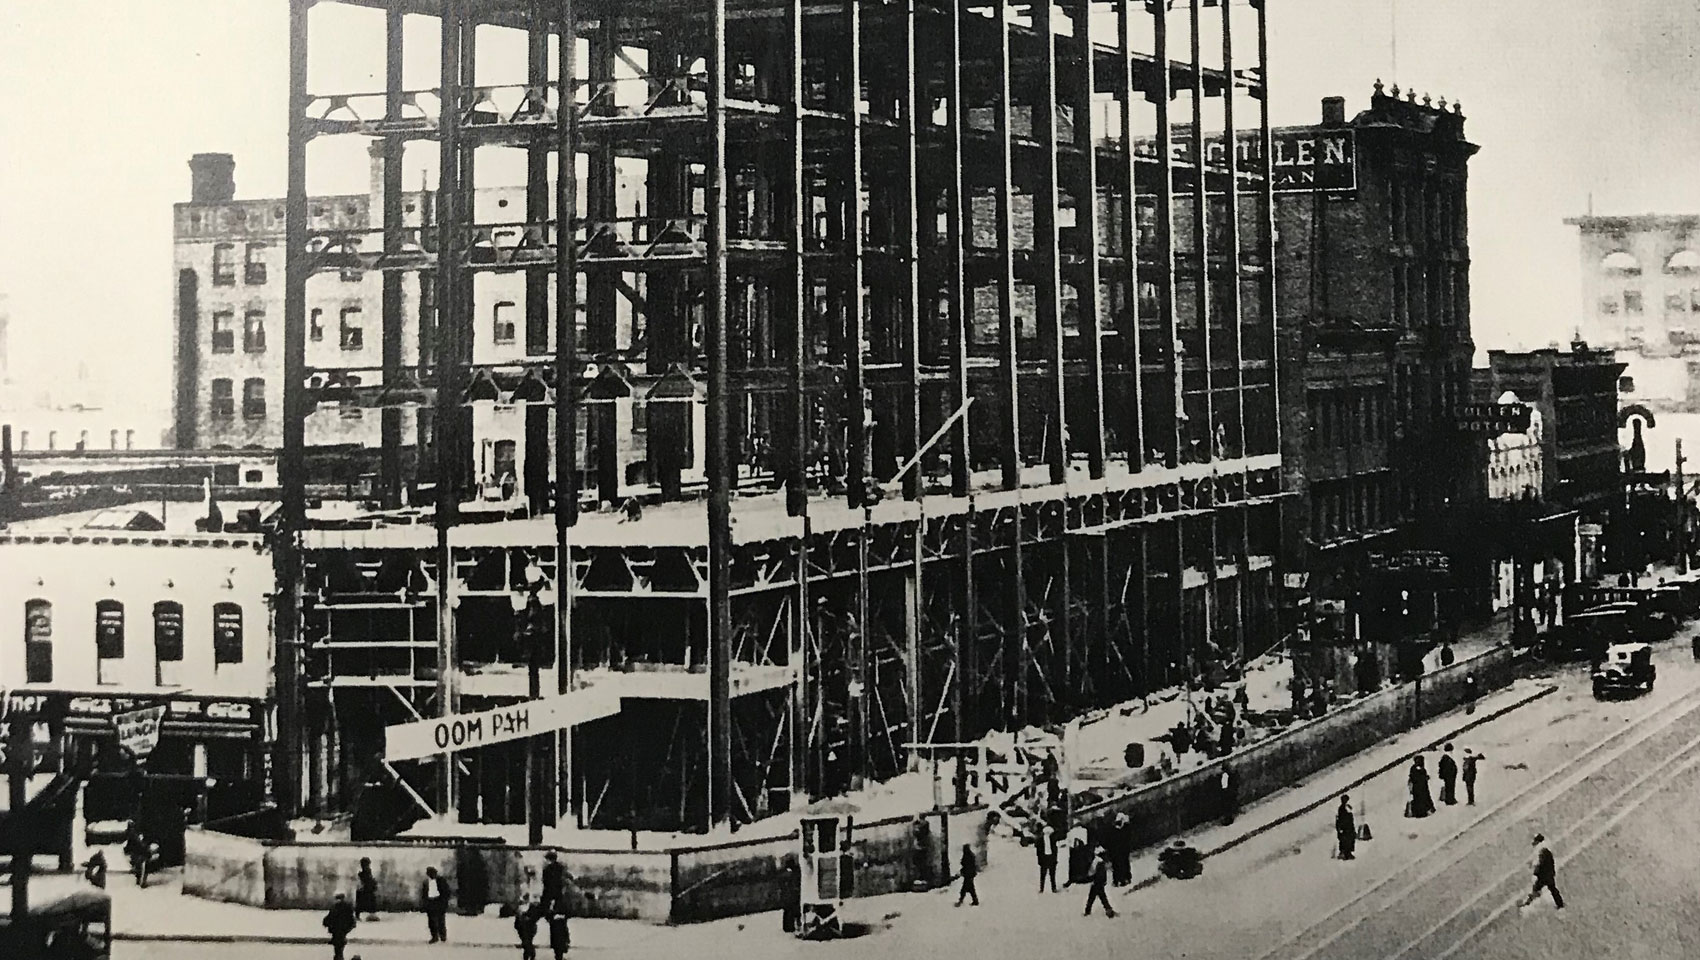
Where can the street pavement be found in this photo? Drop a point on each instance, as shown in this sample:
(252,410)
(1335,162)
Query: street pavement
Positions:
(1609,783)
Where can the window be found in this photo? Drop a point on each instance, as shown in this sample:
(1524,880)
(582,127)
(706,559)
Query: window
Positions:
(254,331)
(1620,263)
(23,439)
(223,406)
(1683,263)
(223,332)
(254,264)
(504,322)
(167,643)
(227,634)
(349,411)
(316,325)
(353,333)
(38,641)
(129,439)
(1608,305)
(253,399)
(52,439)
(108,639)
(224,265)
(1632,301)
(1675,302)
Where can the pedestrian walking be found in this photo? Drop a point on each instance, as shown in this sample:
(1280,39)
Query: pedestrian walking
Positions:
(970,870)
(1100,877)
(526,915)
(554,881)
(1469,693)
(1228,786)
(560,937)
(1421,802)
(1448,771)
(339,923)
(434,897)
(1545,870)
(1471,759)
(1045,844)
(366,890)
(1119,846)
(1346,829)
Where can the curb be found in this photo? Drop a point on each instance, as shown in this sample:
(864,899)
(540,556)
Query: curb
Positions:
(282,940)
(1308,808)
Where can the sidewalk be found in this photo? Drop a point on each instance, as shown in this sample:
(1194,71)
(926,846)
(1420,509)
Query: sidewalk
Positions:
(161,913)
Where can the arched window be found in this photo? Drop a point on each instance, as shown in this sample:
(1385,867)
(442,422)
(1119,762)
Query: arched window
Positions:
(1621,263)
(1683,262)
(227,634)
(167,643)
(108,639)
(38,641)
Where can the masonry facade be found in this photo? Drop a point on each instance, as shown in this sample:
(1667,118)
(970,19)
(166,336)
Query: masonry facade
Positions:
(1376,355)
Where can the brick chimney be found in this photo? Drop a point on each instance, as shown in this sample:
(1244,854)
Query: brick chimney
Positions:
(1333,111)
(212,178)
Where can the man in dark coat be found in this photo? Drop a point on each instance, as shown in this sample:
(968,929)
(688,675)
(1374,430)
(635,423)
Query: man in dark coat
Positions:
(970,870)
(366,890)
(1045,846)
(1448,776)
(1545,870)
(1421,803)
(526,915)
(1119,847)
(1346,828)
(560,938)
(339,923)
(434,897)
(1228,785)
(554,881)
(1471,758)
(1100,876)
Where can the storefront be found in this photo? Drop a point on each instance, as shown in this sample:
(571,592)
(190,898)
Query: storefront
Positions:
(210,760)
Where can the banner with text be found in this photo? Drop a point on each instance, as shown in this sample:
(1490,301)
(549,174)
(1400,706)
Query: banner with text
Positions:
(466,731)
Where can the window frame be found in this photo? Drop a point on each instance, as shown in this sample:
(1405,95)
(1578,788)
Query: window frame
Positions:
(254,400)
(351,338)
(254,330)
(38,646)
(224,265)
(109,637)
(221,405)
(502,319)
(254,268)
(224,331)
(221,634)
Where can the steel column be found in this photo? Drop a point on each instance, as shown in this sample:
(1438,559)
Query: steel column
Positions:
(956,294)
(1201,234)
(1164,95)
(1086,224)
(566,375)
(1047,290)
(1009,376)
(536,438)
(1235,264)
(1130,323)
(720,467)
(1267,226)
(286,554)
(389,471)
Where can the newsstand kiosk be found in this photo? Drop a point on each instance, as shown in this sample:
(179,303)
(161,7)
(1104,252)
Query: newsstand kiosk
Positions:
(826,869)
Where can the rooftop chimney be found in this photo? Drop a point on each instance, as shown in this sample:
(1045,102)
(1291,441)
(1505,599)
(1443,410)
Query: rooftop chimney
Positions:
(212,178)
(1333,110)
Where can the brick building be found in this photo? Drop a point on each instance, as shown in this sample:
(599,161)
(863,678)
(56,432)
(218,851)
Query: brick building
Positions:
(1376,353)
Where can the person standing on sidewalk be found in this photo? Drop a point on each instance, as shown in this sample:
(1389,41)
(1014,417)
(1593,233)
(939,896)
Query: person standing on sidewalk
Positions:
(339,922)
(1421,803)
(1045,844)
(1346,829)
(1471,758)
(970,870)
(1100,879)
(435,898)
(525,925)
(1119,847)
(1545,870)
(366,890)
(1229,786)
(560,937)
(1448,771)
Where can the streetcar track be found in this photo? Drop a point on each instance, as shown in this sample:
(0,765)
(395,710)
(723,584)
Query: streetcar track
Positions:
(1649,724)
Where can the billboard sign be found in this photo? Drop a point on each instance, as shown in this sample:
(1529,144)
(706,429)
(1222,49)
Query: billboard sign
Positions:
(1492,418)
(1304,160)
(467,731)
(1411,561)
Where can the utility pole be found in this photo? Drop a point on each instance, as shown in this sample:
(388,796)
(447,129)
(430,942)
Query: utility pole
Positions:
(20,750)
(1681,514)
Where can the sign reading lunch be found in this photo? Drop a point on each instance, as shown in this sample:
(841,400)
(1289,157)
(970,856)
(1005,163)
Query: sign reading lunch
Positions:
(466,731)
(1305,159)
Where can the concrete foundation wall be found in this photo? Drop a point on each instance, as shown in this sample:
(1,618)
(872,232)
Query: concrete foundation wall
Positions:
(684,885)
(1172,806)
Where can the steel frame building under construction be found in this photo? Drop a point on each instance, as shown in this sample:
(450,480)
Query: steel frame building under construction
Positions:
(990,423)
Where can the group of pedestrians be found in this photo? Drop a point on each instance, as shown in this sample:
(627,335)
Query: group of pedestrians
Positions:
(1420,800)
(549,910)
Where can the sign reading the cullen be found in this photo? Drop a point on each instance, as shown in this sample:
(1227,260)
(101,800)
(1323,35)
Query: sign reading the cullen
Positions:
(1304,160)
(465,731)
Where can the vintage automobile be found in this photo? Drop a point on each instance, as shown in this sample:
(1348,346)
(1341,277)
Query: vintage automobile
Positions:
(1626,667)
(1587,635)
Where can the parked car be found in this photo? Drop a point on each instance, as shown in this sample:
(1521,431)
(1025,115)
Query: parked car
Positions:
(1626,667)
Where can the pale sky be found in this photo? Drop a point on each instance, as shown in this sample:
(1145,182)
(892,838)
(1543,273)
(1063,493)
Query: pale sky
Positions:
(106,101)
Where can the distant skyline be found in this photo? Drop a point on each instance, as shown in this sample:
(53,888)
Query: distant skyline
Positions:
(1572,101)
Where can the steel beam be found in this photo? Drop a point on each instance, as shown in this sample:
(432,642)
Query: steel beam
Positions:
(1235,264)
(1128,181)
(1047,290)
(1009,377)
(721,471)
(1090,275)
(566,381)
(389,471)
(956,293)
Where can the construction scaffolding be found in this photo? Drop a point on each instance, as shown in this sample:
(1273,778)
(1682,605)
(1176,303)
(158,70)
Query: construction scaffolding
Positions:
(804,239)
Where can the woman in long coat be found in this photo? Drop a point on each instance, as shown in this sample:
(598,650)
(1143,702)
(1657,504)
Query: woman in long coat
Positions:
(1422,802)
(1346,829)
